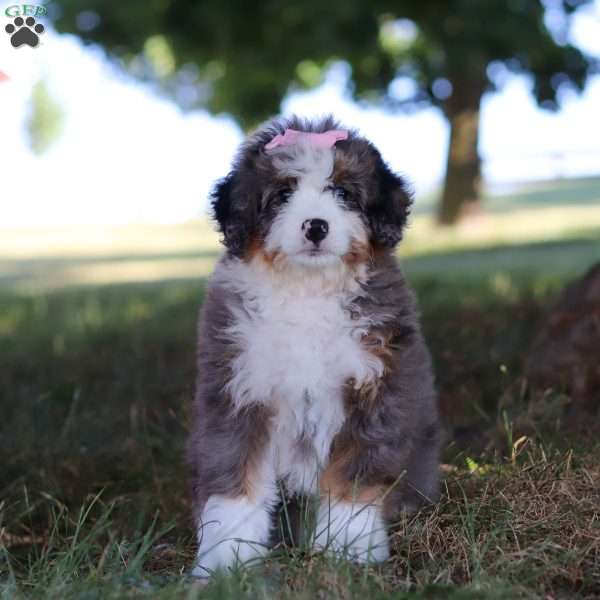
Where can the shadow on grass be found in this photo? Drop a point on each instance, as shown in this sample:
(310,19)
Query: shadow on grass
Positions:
(564,258)
(96,381)
(95,388)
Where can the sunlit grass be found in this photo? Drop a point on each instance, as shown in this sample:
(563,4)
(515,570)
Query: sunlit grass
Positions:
(518,226)
(107,240)
(36,259)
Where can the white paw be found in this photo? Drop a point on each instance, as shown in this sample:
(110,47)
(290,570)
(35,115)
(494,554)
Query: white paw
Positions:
(226,554)
(232,532)
(354,530)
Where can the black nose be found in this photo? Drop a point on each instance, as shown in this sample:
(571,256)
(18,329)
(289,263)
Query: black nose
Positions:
(315,229)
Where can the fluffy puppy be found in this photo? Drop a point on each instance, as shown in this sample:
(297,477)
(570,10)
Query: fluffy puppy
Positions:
(313,373)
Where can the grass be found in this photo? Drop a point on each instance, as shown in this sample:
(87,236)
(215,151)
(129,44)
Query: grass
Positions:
(95,382)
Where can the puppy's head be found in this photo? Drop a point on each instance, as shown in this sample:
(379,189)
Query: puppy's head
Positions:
(310,205)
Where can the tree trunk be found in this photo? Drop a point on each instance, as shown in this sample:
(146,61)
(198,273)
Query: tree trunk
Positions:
(463,167)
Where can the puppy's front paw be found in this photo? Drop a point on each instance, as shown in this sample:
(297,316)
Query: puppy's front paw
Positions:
(224,554)
(232,532)
(354,530)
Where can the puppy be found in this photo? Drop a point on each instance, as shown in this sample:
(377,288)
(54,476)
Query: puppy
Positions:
(313,374)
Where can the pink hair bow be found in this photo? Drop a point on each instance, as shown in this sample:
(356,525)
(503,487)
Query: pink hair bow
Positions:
(327,139)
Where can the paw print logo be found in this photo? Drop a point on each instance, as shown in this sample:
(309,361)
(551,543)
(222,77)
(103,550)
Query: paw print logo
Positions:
(24,32)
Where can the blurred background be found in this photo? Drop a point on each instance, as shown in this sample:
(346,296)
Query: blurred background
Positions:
(116,125)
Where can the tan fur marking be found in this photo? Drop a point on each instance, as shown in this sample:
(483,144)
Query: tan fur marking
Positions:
(378,343)
(247,487)
(250,475)
(358,254)
(335,485)
(367,393)
(256,249)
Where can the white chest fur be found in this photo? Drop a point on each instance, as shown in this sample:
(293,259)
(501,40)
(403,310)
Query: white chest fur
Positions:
(297,347)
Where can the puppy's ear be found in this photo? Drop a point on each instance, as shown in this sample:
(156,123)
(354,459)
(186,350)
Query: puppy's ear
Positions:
(389,209)
(232,213)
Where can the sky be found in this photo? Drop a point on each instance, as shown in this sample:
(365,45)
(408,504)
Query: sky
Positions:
(127,155)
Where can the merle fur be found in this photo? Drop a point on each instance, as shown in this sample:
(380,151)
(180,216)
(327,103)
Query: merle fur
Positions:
(394,441)
(240,201)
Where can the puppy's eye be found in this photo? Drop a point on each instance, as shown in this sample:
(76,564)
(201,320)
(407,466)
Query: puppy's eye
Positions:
(339,192)
(283,195)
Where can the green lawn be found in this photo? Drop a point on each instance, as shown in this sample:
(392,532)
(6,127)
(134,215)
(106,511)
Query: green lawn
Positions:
(97,341)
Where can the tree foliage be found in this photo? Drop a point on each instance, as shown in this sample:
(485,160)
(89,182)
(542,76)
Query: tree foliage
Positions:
(249,54)
(243,57)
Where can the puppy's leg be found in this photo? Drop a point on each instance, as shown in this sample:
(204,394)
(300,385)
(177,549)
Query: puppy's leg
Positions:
(350,519)
(235,489)
(353,529)
(233,531)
